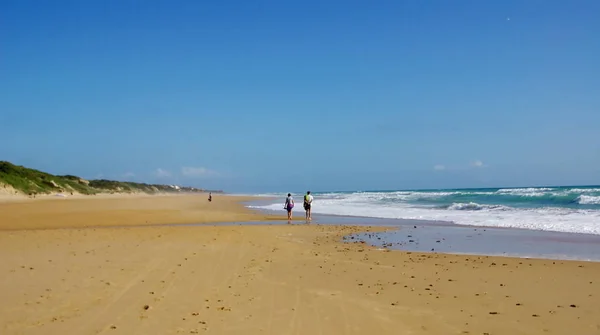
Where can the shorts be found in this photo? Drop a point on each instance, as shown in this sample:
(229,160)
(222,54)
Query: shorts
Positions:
(306,207)
(289,208)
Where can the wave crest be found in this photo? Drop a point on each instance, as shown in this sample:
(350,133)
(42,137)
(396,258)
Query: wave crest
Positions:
(588,200)
(473,206)
(525,190)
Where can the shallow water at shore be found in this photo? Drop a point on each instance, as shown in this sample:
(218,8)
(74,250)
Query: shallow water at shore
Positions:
(486,241)
(446,237)
(443,238)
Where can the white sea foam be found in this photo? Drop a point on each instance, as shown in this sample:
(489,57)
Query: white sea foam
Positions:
(528,192)
(525,190)
(473,206)
(261,195)
(589,200)
(543,218)
(583,190)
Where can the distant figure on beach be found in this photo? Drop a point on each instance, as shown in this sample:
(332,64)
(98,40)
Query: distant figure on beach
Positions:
(308,199)
(289,204)
(209,196)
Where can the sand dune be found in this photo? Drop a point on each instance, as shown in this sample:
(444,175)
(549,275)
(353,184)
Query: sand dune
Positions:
(289,279)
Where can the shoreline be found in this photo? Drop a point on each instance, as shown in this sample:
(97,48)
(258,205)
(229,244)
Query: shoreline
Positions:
(562,209)
(417,221)
(432,236)
(409,235)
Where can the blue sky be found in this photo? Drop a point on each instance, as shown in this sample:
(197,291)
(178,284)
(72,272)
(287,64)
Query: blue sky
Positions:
(293,95)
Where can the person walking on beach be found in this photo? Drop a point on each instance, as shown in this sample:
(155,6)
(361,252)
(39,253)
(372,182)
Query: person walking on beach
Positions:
(289,204)
(308,199)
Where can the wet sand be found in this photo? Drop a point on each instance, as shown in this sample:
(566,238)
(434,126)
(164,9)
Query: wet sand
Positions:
(259,279)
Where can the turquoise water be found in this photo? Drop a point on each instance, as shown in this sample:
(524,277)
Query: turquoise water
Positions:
(583,197)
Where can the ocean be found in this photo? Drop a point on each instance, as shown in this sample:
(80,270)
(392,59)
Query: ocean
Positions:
(561,209)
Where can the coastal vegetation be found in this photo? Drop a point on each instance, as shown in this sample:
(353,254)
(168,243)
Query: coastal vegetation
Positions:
(32,182)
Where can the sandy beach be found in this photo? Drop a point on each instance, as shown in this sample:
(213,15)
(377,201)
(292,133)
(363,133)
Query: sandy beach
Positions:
(122,210)
(67,269)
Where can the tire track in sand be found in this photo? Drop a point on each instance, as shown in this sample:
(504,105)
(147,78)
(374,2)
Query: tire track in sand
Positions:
(89,326)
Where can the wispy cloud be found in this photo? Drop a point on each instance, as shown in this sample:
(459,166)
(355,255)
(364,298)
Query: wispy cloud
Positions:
(474,164)
(129,175)
(162,173)
(198,172)
(477,164)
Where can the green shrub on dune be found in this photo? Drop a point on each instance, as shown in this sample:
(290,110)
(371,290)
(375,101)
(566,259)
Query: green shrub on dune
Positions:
(31,182)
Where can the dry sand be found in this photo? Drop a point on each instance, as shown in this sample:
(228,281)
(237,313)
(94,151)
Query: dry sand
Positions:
(289,279)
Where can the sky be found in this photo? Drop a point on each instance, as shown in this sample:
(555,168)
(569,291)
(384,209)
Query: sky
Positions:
(273,96)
